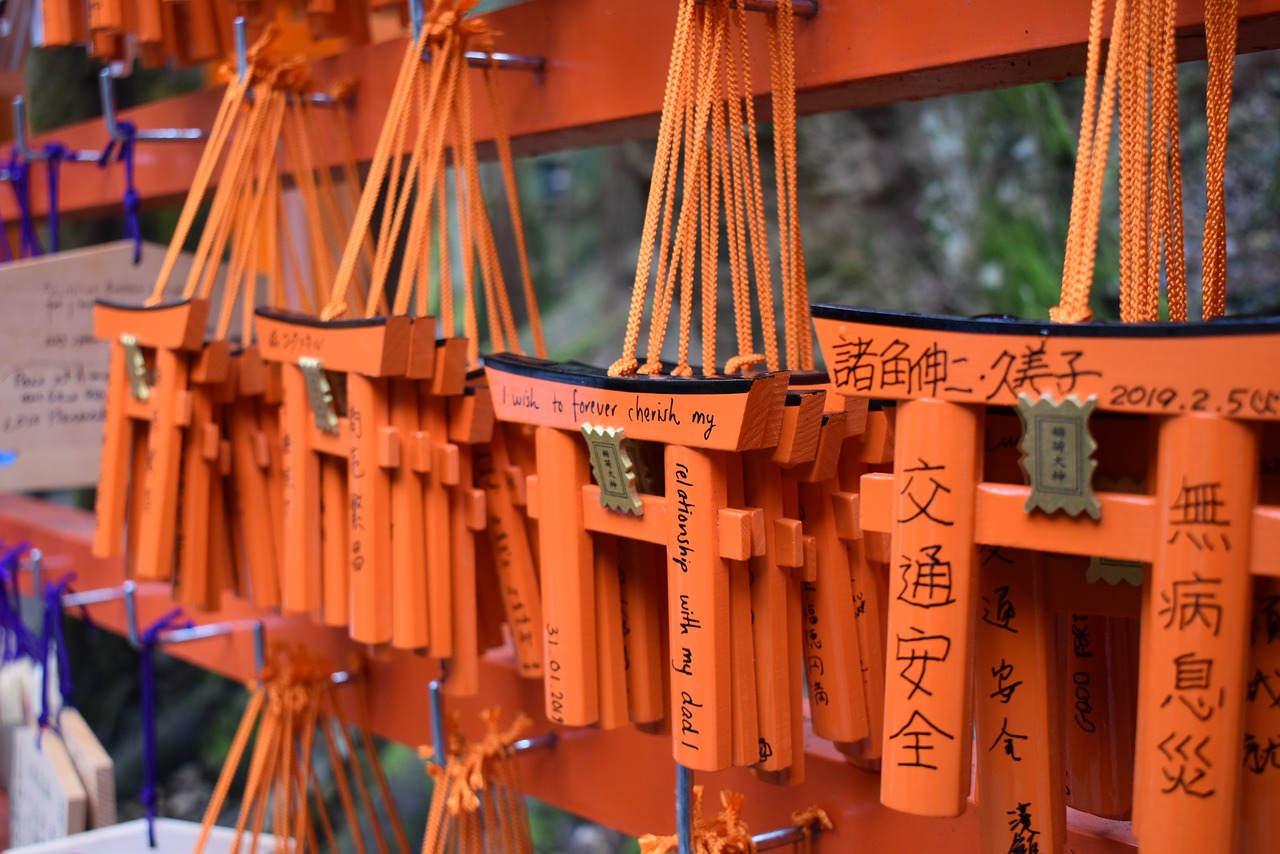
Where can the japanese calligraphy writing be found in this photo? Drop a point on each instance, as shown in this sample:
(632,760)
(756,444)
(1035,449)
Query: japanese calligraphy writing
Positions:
(917,651)
(998,610)
(1005,686)
(1198,509)
(1024,840)
(920,730)
(866,366)
(926,493)
(926,580)
(1186,765)
(1192,601)
(1193,686)
(1035,370)
(1009,739)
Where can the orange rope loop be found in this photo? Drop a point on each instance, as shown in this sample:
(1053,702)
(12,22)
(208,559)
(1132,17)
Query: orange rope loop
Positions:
(295,703)
(707,138)
(1141,69)
(476,803)
(431,118)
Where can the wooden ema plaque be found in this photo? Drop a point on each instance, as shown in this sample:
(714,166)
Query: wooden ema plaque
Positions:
(399,500)
(155,353)
(692,434)
(94,766)
(359,357)
(46,798)
(1205,390)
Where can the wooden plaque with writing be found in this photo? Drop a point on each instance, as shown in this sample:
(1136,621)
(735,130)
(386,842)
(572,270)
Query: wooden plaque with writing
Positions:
(1224,367)
(46,798)
(54,380)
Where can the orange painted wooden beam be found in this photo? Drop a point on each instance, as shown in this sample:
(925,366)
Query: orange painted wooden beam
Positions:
(621,778)
(607,61)
(1125,531)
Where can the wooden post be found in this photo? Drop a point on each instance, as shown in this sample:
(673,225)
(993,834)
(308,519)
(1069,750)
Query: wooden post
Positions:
(928,723)
(467,520)
(335,511)
(641,586)
(509,542)
(833,663)
(1261,789)
(771,580)
(568,579)
(369,486)
(1098,710)
(408,543)
(1195,637)
(1020,791)
(442,478)
(698,597)
(117,439)
(303,491)
(610,655)
(251,464)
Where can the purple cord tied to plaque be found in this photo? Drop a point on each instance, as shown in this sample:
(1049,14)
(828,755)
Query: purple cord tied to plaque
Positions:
(54,638)
(54,154)
(132,201)
(18,640)
(20,181)
(151,640)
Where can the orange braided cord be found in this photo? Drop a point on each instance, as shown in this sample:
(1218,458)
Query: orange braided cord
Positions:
(1221,19)
(1091,165)
(707,137)
(723,833)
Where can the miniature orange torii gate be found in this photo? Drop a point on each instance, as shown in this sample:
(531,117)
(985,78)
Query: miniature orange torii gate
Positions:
(699,520)
(1206,390)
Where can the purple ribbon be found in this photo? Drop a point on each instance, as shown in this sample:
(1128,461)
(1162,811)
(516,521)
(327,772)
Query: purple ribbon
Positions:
(151,640)
(20,181)
(122,149)
(54,637)
(54,154)
(18,641)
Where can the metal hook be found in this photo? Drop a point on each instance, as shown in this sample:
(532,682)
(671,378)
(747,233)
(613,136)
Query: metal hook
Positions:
(786,836)
(437,720)
(240,29)
(763,841)
(106,91)
(477,58)
(213,630)
(507,62)
(546,741)
(342,677)
(417,18)
(35,563)
(238,26)
(20,138)
(684,809)
(436,706)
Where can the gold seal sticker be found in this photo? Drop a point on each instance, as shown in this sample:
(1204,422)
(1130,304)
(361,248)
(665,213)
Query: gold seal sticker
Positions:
(613,468)
(1114,572)
(1057,454)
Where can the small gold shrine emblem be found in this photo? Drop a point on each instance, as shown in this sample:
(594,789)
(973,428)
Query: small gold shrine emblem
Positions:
(1057,454)
(614,471)
(1114,572)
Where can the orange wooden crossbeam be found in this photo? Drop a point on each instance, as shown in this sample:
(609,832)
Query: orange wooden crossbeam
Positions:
(606,66)
(582,774)
(1125,533)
